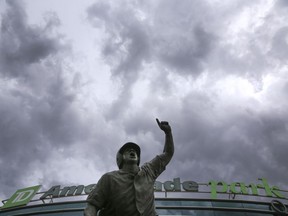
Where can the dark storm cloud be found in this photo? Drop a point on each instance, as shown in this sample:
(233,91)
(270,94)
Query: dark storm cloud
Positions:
(251,52)
(125,49)
(36,105)
(21,44)
(280,44)
(185,55)
(180,37)
(180,42)
(239,143)
(190,47)
(282,3)
(214,139)
(127,43)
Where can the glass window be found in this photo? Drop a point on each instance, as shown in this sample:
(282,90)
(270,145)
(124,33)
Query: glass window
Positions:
(258,214)
(182,203)
(229,213)
(256,206)
(227,204)
(46,207)
(62,214)
(166,212)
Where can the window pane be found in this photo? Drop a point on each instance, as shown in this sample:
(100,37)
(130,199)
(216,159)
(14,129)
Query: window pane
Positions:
(229,213)
(163,212)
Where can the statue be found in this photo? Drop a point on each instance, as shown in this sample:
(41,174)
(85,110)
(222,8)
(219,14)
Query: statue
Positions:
(129,191)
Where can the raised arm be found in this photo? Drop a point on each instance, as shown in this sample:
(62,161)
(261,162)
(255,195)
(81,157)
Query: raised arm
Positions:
(169,143)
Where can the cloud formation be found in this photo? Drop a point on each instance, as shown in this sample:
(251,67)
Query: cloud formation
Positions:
(37,111)
(217,71)
(219,51)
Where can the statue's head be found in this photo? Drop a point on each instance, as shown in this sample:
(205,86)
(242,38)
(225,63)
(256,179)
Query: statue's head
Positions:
(128,149)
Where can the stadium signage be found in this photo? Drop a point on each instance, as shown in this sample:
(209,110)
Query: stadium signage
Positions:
(222,187)
(176,185)
(23,196)
(242,188)
(56,191)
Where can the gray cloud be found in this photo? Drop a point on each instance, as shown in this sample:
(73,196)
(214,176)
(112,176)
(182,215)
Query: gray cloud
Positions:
(126,48)
(179,38)
(177,61)
(212,139)
(21,44)
(127,45)
(36,111)
(243,144)
(282,3)
(187,55)
(280,44)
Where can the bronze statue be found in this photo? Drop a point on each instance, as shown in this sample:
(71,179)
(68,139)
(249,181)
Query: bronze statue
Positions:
(129,191)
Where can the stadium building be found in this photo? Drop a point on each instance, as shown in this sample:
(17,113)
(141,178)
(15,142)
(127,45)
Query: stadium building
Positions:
(173,197)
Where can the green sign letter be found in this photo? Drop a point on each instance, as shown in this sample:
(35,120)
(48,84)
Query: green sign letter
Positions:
(214,185)
(21,197)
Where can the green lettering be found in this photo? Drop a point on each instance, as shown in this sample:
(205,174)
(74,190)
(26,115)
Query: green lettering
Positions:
(21,197)
(275,191)
(214,185)
(243,188)
(266,187)
(254,189)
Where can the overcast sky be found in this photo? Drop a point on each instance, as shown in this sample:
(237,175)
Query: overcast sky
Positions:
(78,79)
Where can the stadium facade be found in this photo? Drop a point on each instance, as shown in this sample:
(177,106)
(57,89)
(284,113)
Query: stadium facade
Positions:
(172,197)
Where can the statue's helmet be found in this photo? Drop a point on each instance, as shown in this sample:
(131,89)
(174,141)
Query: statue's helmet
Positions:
(119,157)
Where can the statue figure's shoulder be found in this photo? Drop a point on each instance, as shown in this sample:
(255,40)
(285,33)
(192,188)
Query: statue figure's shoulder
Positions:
(111,173)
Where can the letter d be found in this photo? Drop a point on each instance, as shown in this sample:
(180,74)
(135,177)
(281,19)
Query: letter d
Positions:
(21,196)
(172,186)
